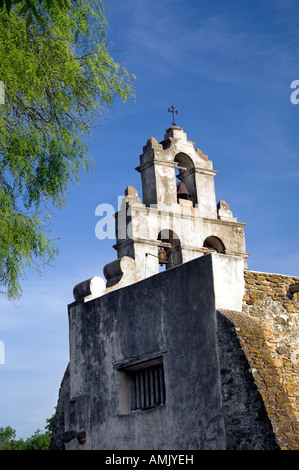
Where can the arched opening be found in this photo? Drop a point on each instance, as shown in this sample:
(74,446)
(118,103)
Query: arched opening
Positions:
(169,249)
(214,244)
(186,188)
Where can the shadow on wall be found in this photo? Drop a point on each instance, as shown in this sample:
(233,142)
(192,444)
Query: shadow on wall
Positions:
(247,425)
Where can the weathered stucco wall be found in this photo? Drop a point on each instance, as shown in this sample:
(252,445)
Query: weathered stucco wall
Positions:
(256,352)
(171,314)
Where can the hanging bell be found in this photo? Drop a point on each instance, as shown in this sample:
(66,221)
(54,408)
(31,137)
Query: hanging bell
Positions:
(162,255)
(182,192)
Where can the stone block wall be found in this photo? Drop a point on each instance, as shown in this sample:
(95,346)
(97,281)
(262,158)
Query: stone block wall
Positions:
(247,425)
(268,333)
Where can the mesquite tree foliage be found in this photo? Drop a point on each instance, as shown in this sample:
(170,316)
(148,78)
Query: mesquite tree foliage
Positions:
(59,78)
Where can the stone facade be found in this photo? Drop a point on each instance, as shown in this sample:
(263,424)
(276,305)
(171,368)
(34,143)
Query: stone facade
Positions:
(165,320)
(227,337)
(247,424)
(273,349)
(257,348)
(264,345)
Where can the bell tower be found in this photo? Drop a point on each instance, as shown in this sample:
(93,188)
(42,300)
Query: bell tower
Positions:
(178,219)
(161,164)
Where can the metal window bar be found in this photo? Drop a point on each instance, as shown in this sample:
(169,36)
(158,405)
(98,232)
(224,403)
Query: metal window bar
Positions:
(148,387)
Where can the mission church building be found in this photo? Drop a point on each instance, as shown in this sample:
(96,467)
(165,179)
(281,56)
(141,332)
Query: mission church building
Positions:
(161,351)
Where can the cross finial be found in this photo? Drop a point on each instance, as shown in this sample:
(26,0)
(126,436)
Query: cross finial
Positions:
(173,111)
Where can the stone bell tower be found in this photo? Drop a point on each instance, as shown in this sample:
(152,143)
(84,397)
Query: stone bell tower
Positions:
(176,221)
(175,154)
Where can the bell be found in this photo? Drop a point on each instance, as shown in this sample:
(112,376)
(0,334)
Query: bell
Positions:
(182,192)
(162,255)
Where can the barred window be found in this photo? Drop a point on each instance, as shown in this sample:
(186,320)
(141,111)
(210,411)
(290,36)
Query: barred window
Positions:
(147,386)
(140,384)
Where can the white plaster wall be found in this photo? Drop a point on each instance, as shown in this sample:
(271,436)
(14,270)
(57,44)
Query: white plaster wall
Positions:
(228,273)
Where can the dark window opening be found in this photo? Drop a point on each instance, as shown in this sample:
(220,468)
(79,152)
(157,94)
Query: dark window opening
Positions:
(214,244)
(185,177)
(169,251)
(147,386)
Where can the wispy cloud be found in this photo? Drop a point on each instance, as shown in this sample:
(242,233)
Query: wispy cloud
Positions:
(214,46)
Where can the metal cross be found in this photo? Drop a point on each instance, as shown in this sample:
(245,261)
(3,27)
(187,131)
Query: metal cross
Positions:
(173,111)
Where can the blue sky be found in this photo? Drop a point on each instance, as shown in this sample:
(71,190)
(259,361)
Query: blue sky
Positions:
(227,68)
